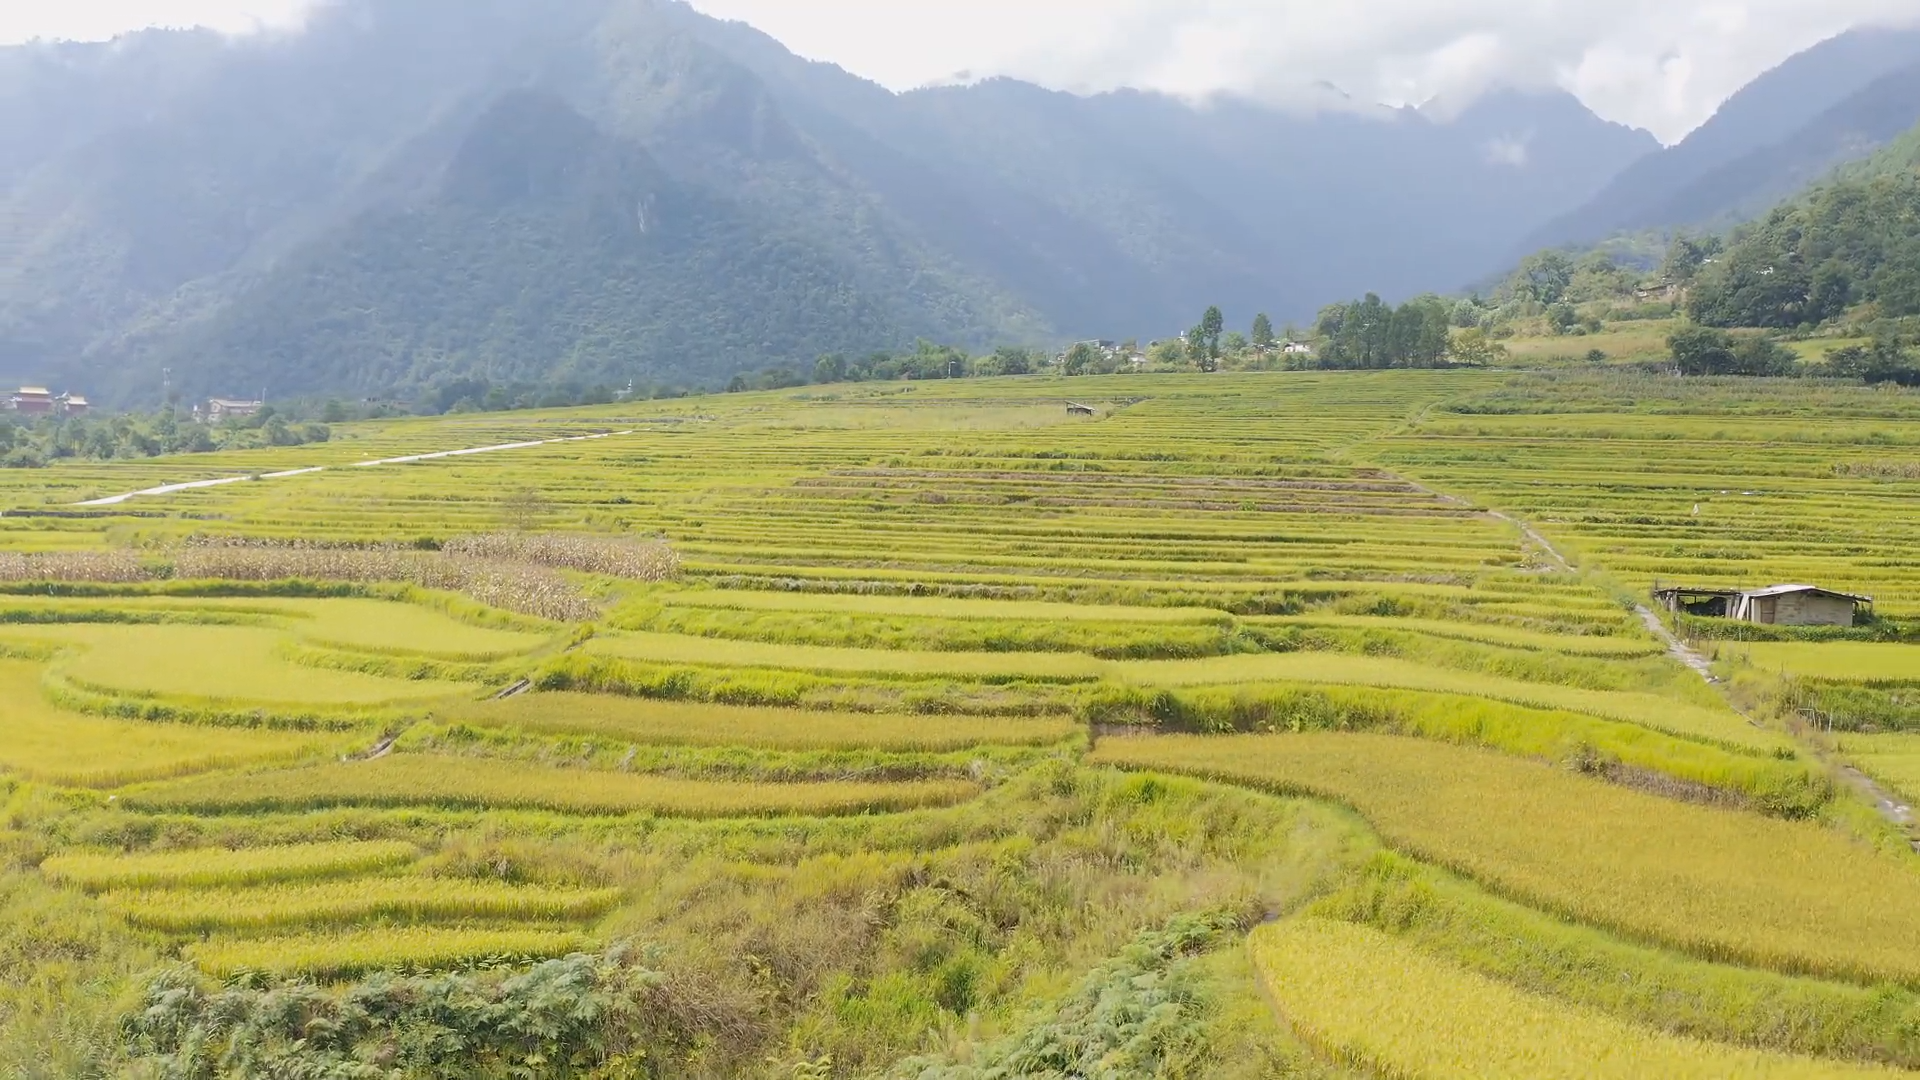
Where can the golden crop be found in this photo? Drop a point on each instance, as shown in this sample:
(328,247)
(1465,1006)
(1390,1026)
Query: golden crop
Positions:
(1365,999)
(404,899)
(1722,884)
(216,867)
(344,954)
(482,783)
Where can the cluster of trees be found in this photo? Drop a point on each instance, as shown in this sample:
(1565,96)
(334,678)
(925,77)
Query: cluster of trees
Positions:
(1703,350)
(927,360)
(475,394)
(1852,242)
(34,443)
(1706,350)
(1371,333)
(1885,361)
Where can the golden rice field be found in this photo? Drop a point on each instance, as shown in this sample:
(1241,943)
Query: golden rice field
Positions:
(335,955)
(677,723)
(942,711)
(1733,886)
(214,867)
(212,664)
(1367,1000)
(482,783)
(43,743)
(400,899)
(1844,661)
(1892,759)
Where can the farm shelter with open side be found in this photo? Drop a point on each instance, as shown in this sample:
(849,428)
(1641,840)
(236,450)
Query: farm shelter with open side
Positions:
(1776,605)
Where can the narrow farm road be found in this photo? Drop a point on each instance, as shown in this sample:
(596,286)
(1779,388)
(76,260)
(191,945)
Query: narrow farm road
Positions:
(193,485)
(1889,807)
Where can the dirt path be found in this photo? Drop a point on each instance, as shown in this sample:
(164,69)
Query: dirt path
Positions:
(1890,808)
(1545,545)
(1677,648)
(194,485)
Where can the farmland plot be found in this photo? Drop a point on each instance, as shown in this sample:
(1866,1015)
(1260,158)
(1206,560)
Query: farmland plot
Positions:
(853,767)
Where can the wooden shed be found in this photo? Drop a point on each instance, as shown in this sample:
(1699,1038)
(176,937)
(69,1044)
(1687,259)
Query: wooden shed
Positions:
(1778,605)
(1799,605)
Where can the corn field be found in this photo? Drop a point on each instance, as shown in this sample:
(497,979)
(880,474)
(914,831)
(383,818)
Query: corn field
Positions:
(524,588)
(613,556)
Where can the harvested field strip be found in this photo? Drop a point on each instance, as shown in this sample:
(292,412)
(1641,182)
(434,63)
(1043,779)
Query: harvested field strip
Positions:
(1720,884)
(1368,1000)
(897,633)
(401,899)
(1749,774)
(938,607)
(1686,719)
(1485,633)
(456,783)
(379,626)
(1720,725)
(681,649)
(214,867)
(42,743)
(667,723)
(213,663)
(341,955)
(1872,663)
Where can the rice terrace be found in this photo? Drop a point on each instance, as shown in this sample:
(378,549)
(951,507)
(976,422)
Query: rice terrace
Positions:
(1288,724)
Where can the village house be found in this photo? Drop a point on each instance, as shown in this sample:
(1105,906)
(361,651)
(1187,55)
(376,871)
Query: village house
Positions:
(219,409)
(1297,348)
(74,404)
(32,401)
(1778,605)
(1660,291)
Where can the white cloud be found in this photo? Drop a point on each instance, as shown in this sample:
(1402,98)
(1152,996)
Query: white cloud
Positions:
(1510,151)
(1660,64)
(89,20)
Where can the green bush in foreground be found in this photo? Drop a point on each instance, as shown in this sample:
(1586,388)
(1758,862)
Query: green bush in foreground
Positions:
(580,1016)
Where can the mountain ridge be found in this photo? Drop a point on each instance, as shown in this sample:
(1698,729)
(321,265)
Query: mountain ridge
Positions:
(1761,145)
(256,176)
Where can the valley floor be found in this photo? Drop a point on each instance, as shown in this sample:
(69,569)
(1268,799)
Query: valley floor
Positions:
(1257,725)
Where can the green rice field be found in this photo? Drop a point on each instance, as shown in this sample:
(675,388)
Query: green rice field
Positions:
(1293,724)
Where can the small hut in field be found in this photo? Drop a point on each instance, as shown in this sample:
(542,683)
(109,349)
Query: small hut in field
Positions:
(1777,605)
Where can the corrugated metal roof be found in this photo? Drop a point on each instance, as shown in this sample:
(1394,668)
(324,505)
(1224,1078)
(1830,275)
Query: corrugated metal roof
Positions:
(1787,590)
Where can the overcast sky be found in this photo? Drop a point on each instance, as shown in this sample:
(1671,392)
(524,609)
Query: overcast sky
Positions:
(1659,64)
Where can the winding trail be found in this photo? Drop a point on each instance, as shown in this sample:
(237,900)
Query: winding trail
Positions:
(1889,807)
(193,485)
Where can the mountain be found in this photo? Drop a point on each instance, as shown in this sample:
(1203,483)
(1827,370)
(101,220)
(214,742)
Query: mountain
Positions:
(1853,130)
(1851,240)
(1833,103)
(605,190)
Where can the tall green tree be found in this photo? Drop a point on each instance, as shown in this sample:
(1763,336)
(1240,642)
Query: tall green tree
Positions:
(1262,331)
(1213,324)
(1080,359)
(1199,349)
(1544,277)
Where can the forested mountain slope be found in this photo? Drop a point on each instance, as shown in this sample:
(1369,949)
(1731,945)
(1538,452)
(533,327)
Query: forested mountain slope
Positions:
(299,210)
(1853,240)
(1834,103)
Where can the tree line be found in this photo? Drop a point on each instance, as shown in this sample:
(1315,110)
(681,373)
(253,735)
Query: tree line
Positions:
(35,442)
